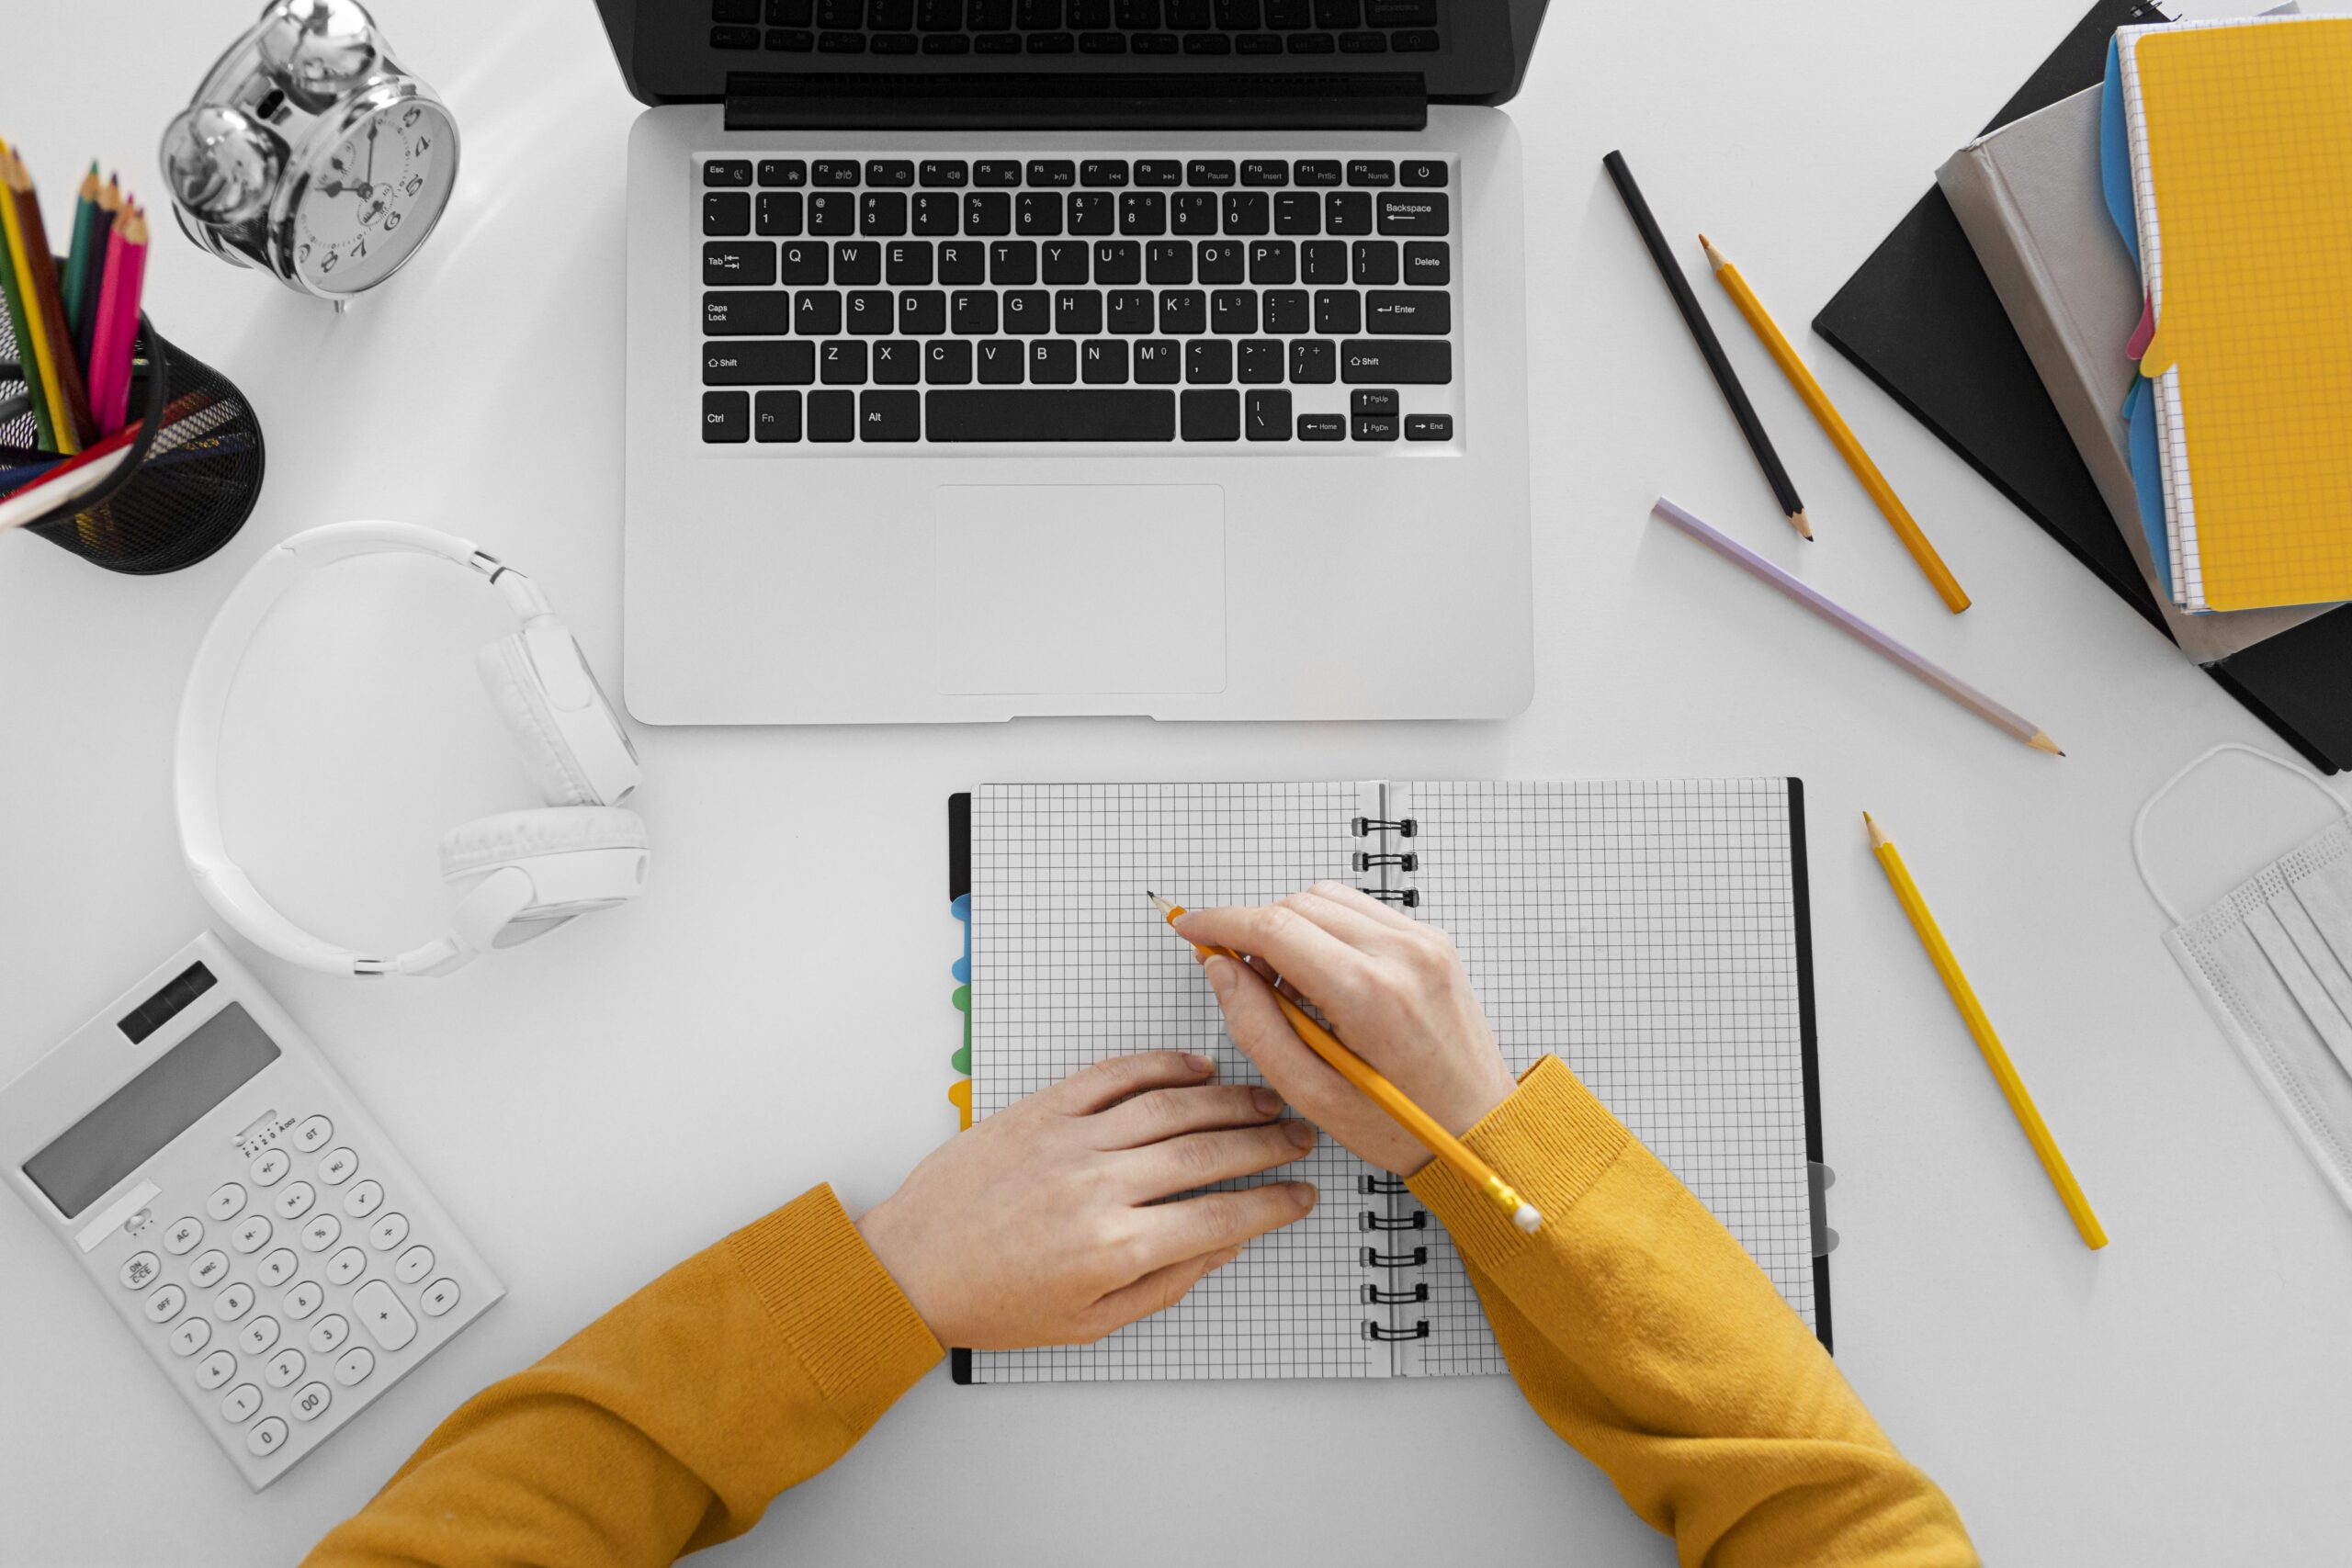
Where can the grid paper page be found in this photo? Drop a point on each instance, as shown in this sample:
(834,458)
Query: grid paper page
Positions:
(1646,934)
(1069,964)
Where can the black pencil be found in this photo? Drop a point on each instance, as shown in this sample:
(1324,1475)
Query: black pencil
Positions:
(1696,320)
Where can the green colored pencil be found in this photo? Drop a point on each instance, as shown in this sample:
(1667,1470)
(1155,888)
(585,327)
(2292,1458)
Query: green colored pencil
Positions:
(84,259)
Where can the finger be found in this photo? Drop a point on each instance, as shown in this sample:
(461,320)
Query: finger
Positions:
(1156,1291)
(1200,1159)
(1363,903)
(1309,956)
(1347,922)
(1115,1077)
(1166,1114)
(1171,1231)
(1265,1036)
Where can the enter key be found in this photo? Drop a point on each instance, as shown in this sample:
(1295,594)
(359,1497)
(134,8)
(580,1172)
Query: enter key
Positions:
(1416,312)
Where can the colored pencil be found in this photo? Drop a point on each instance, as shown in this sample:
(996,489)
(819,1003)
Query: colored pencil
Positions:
(16,286)
(42,262)
(1425,1128)
(2005,1072)
(1710,348)
(86,330)
(1861,631)
(1833,423)
(85,256)
(117,327)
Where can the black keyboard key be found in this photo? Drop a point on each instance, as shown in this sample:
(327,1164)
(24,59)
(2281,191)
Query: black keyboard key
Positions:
(936,212)
(1338,311)
(1102,173)
(1375,261)
(1246,212)
(1013,262)
(840,43)
(725,416)
(1413,212)
(1224,261)
(895,44)
(1314,362)
(940,15)
(997,43)
(1037,212)
(1061,261)
(1051,43)
(1212,416)
(1415,312)
(1422,173)
(1273,262)
(942,174)
(1258,43)
(1421,42)
(1315,172)
(1143,211)
(1375,427)
(791,13)
(1093,213)
(1233,311)
(1184,312)
(1051,415)
(1131,314)
(726,213)
(1207,43)
(1266,415)
(1258,361)
(1051,171)
(1053,362)
(1265,172)
(790,41)
(972,313)
(946,43)
(1323,261)
(897,361)
(1374,399)
(1403,361)
(1429,427)
(1167,262)
(1118,261)
(1333,15)
(831,212)
(808,261)
(1137,16)
(1152,43)
(988,212)
(1078,312)
(890,416)
(1159,172)
(1238,15)
(1428,263)
(1347,212)
(747,263)
(757,362)
(750,312)
(947,363)
(1029,312)
(1000,362)
(1037,16)
(1400,13)
(889,172)
(883,213)
(847,14)
(783,172)
(726,172)
(989,16)
(1322,427)
(1103,363)
(1208,362)
(842,363)
(816,313)
(734,10)
(1312,44)
(963,261)
(857,261)
(996,172)
(1188,16)
(922,313)
(834,172)
(832,416)
(1298,212)
(779,212)
(1159,362)
(775,416)
(1288,312)
(1192,212)
(906,262)
(1350,43)
(1101,43)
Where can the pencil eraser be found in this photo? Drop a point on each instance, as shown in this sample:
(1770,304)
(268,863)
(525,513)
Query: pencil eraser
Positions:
(1527,1219)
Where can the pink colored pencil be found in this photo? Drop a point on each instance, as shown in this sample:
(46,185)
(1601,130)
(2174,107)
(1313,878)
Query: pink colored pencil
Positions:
(118,320)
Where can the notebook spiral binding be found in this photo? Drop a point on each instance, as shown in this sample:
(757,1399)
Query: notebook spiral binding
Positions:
(1390,1206)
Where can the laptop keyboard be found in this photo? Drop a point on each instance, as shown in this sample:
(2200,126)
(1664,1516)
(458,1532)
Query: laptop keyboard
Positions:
(1076,27)
(950,300)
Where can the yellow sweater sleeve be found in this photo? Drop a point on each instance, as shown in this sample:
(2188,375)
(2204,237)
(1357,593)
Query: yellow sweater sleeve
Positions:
(669,1422)
(1650,1341)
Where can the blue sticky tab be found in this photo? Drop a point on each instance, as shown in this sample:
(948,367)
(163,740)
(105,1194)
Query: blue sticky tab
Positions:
(962,968)
(2115,153)
(2148,478)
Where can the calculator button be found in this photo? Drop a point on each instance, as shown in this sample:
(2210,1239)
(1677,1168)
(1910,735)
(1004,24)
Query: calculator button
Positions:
(313,1133)
(362,1200)
(140,1271)
(321,1233)
(251,1233)
(388,1232)
(295,1202)
(228,1201)
(217,1368)
(192,1334)
(439,1296)
(271,1168)
(303,1299)
(208,1270)
(239,1403)
(285,1367)
(267,1437)
(258,1335)
(329,1332)
(165,1302)
(383,1316)
(414,1265)
(185,1232)
(311,1400)
(347,1266)
(278,1268)
(234,1303)
(336,1169)
(353,1365)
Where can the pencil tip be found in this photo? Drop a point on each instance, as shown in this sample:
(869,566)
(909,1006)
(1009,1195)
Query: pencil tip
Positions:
(1878,834)
(2041,742)
(1803,524)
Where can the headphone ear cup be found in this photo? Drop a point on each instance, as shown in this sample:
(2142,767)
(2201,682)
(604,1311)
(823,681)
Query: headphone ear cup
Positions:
(573,858)
(522,705)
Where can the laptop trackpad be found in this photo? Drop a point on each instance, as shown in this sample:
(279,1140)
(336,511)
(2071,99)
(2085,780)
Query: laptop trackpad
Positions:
(1042,589)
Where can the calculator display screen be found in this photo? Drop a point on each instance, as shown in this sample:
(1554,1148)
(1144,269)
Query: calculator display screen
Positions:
(79,1167)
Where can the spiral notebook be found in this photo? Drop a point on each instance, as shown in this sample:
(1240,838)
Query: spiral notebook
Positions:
(1653,935)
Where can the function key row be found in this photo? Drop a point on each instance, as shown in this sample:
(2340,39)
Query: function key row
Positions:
(728,214)
(1096,173)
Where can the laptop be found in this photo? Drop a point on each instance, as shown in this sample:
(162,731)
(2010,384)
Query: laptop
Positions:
(996,358)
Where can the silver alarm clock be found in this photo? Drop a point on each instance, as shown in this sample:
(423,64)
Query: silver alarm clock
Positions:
(309,154)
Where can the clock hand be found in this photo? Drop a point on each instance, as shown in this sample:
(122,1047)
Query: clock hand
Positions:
(373,127)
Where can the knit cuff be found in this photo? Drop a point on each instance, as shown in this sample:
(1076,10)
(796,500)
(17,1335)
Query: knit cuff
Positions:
(860,1338)
(1552,1140)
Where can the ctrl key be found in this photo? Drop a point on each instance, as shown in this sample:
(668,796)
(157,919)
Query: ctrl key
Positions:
(725,416)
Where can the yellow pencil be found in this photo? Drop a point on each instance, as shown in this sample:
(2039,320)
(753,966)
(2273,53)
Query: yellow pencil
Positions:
(40,370)
(1387,1094)
(1947,587)
(2004,1073)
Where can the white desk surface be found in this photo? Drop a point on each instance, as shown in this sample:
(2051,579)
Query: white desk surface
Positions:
(775,1011)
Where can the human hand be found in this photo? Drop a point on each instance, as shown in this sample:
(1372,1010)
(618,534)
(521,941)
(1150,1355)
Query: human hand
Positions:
(1043,1224)
(1393,988)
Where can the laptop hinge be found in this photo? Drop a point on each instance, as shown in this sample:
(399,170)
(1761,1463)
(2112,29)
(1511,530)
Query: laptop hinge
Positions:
(1366,101)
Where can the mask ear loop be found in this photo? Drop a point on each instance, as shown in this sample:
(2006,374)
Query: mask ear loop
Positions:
(2139,823)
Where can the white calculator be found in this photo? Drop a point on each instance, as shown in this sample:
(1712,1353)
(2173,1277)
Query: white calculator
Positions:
(260,1236)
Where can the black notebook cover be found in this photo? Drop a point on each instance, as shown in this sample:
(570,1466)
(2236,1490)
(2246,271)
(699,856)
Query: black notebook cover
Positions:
(1921,319)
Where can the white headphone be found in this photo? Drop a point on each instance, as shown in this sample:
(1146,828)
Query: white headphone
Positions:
(531,870)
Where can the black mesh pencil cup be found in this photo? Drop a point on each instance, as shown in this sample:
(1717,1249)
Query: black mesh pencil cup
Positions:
(191,479)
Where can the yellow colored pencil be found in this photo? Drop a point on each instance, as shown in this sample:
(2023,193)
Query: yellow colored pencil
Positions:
(1897,515)
(1388,1096)
(36,353)
(2005,1072)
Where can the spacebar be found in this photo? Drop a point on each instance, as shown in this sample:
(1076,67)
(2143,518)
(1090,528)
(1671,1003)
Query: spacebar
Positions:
(1091,414)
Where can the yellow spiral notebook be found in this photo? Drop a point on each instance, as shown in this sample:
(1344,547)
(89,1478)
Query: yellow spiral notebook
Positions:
(2240,137)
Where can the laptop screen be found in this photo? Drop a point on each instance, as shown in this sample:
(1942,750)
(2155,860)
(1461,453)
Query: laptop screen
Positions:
(688,50)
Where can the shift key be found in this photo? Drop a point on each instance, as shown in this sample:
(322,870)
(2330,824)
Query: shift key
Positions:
(1395,362)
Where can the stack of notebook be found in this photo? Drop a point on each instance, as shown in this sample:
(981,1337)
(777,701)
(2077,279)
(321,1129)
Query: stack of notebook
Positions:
(2005,309)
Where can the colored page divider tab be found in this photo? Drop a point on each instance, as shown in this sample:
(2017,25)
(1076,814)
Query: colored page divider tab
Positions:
(960,1096)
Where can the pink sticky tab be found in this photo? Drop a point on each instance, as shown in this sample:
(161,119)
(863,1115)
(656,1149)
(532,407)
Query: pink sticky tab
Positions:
(2143,331)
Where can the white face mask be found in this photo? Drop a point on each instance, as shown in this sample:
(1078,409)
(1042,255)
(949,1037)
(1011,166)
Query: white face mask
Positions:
(2273,961)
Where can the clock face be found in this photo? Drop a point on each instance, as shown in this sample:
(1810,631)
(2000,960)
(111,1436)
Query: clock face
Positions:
(373,196)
